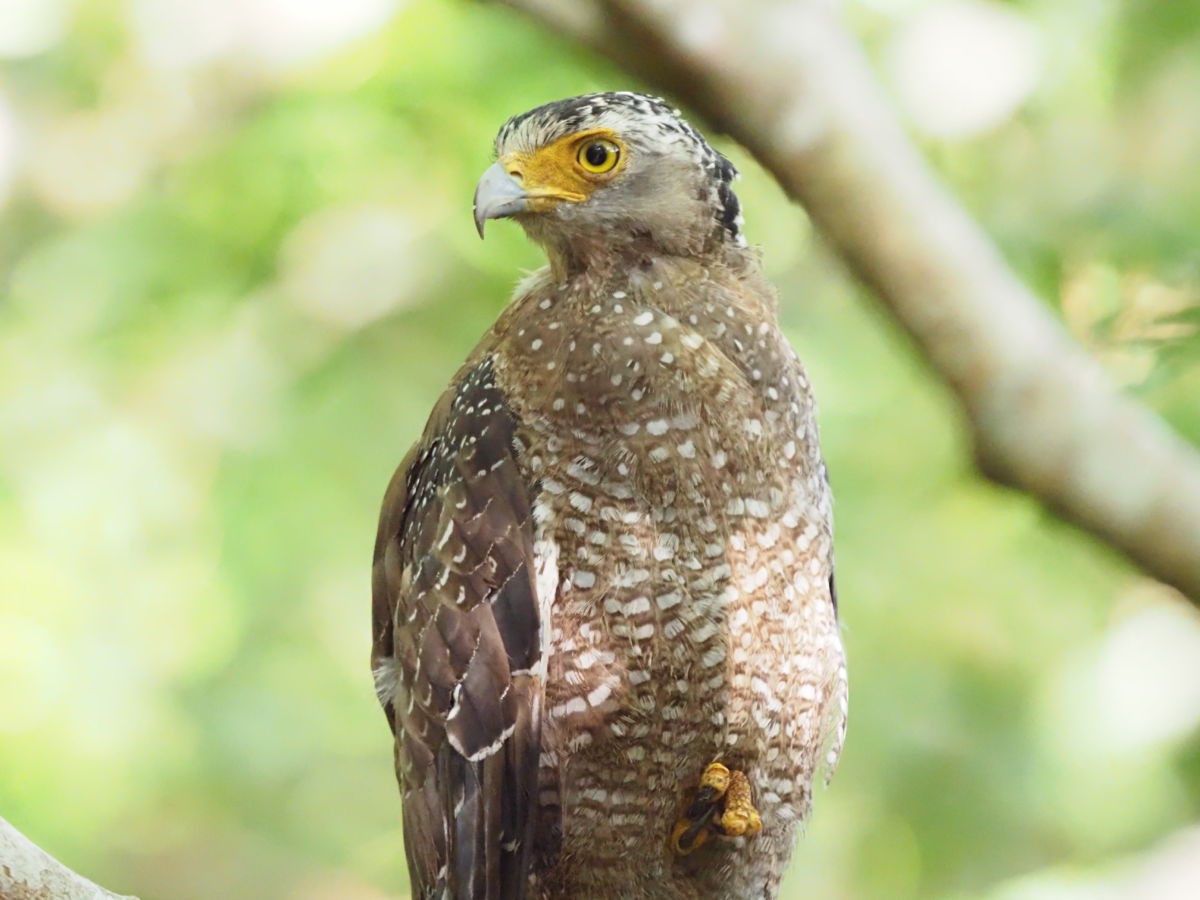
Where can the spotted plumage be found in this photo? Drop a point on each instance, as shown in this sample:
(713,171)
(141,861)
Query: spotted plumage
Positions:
(608,561)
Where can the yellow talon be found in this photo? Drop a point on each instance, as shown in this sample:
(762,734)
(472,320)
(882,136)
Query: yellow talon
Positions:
(736,816)
(740,817)
(716,778)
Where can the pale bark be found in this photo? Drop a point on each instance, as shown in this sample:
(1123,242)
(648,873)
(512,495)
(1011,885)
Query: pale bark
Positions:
(29,873)
(789,82)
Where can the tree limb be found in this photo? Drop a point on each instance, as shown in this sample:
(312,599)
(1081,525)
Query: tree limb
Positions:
(789,82)
(29,873)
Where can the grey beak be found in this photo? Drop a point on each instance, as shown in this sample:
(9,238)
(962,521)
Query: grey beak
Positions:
(498,195)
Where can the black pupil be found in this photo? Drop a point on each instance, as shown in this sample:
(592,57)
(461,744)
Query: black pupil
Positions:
(596,155)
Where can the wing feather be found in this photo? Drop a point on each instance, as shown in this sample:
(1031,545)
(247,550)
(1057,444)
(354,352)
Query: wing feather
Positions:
(456,618)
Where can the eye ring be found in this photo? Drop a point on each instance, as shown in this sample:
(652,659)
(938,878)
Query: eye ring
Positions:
(598,156)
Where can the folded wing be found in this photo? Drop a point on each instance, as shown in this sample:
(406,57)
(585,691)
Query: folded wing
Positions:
(456,647)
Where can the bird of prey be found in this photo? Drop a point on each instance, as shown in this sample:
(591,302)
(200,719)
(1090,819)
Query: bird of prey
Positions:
(605,625)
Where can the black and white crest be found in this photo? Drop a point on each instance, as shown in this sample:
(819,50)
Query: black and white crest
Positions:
(649,123)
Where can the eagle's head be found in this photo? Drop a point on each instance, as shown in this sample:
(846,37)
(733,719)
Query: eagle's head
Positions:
(601,172)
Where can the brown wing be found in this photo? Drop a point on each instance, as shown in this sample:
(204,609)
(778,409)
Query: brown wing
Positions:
(456,645)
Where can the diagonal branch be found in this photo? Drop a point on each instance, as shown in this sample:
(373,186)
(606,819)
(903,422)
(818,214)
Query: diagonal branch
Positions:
(790,83)
(28,872)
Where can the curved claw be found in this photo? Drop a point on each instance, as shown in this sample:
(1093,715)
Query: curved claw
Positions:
(689,834)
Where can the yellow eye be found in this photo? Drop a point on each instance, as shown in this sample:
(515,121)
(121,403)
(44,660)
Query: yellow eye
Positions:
(598,156)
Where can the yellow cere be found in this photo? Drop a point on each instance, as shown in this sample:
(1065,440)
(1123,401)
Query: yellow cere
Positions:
(568,169)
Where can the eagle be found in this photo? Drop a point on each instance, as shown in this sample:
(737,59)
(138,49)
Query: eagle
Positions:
(605,628)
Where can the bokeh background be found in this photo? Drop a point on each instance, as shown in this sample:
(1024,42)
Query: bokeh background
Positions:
(237,266)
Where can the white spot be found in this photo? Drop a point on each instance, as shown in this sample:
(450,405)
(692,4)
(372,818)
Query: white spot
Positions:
(654,338)
(687,450)
(757,508)
(536,345)
(571,707)
(599,695)
(644,319)
(666,601)
(583,579)
(637,606)
(387,676)
(632,577)
(657,426)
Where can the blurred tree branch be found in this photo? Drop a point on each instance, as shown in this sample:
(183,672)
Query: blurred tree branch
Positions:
(789,81)
(29,873)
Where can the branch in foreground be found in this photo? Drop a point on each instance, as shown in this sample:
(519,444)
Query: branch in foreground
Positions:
(29,873)
(789,82)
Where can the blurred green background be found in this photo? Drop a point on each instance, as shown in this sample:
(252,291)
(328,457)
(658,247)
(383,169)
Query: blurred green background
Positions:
(237,266)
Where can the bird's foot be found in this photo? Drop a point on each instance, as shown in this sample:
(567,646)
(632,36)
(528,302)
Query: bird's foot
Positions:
(739,816)
(722,805)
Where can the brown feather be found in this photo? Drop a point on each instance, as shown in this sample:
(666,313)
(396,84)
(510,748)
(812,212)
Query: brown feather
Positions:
(455,614)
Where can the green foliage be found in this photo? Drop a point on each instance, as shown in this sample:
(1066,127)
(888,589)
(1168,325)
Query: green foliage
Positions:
(232,291)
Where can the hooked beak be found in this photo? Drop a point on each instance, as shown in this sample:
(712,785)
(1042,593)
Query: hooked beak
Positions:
(497,196)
